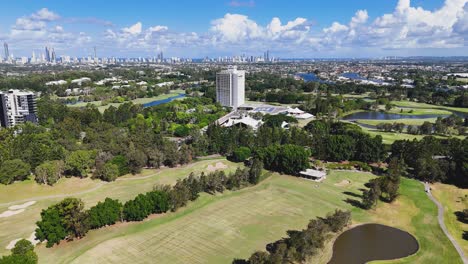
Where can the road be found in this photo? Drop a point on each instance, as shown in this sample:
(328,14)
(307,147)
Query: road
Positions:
(440,217)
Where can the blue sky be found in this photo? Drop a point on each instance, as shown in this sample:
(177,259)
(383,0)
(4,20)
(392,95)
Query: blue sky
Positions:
(294,28)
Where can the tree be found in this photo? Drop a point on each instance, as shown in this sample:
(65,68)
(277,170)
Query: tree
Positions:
(185,154)
(426,128)
(293,159)
(108,172)
(340,147)
(122,164)
(49,172)
(62,220)
(22,253)
(14,170)
(289,159)
(338,220)
(136,159)
(79,163)
(259,257)
(391,182)
(22,247)
(240,154)
(371,196)
(105,213)
(255,171)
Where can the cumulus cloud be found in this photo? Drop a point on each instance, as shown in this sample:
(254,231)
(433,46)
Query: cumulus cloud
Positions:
(45,15)
(238,29)
(134,29)
(405,27)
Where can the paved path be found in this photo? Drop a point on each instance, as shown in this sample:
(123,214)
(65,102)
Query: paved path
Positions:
(440,217)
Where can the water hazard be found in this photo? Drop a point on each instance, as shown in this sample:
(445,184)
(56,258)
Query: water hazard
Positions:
(372,242)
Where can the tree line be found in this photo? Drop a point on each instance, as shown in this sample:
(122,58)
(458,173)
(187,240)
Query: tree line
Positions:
(68,219)
(81,142)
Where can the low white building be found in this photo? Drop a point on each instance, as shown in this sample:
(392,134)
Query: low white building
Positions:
(80,81)
(59,82)
(315,175)
(243,120)
(298,113)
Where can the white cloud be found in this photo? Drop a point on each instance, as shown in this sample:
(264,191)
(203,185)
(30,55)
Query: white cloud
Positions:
(24,23)
(45,15)
(134,29)
(360,17)
(235,27)
(405,27)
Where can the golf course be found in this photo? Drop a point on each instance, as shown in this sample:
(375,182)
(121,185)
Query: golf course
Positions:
(218,228)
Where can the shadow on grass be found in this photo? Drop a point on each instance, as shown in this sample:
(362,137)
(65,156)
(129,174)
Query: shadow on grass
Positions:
(354,203)
(240,261)
(353,194)
(465,235)
(461,217)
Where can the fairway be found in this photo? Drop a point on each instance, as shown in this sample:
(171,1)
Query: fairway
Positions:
(406,121)
(453,199)
(91,191)
(216,229)
(415,105)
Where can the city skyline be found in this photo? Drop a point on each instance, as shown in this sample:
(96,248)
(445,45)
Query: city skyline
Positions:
(297,29)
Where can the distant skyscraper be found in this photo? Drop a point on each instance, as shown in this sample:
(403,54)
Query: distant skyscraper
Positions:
(53,56)
(7,52)
(230,87)
(17,107)
(47,54)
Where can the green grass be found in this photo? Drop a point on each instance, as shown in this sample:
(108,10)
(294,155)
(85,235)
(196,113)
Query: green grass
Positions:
(406,121)
(453,199)
(91,191)
(136,101)
(216,229)
(415,213)
(416,105)
(390,137)
(418,111)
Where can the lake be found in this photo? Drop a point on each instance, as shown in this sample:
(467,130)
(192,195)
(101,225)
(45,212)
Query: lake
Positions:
(311,77)
(369,242)
(163,101)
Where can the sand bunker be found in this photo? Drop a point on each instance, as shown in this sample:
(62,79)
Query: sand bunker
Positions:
(10,213)
(343,183)
(218,166)
(21,206)
(16,209)
(31,238)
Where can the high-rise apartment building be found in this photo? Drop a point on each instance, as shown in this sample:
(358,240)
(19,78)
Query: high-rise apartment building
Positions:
(230,87)
(47,54)
(7,52)
(17,107)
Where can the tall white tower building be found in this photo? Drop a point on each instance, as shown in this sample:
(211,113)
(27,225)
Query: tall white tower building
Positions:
(230,87)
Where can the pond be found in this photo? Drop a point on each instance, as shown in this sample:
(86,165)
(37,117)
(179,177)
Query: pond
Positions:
(370,242)
(386,116)
(163,101)
(311,77)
